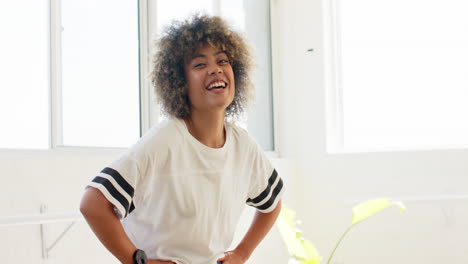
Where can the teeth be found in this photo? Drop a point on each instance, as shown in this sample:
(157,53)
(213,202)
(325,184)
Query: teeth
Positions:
(217,84)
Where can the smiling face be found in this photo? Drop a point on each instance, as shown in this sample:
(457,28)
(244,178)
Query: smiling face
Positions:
(209,79)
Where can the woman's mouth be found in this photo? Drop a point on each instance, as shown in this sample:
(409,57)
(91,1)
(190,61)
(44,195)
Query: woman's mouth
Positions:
(217,85)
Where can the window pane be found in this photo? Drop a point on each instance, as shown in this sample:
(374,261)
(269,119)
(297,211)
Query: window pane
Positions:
(256,14)
(404,73)
(234,13)
(169,10)
(24,67)
(100,73)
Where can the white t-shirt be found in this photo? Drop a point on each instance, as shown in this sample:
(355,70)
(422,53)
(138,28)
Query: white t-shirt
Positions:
(180,200)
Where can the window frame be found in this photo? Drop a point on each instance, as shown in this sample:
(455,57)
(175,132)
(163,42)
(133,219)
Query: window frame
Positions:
(55,80)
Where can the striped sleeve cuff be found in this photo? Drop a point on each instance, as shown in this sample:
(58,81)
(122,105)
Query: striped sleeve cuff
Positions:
(268,199)
(116,190)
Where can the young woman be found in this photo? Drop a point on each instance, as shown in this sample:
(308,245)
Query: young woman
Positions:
(176,196)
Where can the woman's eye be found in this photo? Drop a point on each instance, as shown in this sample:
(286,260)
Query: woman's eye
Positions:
(223,61)
(198,65)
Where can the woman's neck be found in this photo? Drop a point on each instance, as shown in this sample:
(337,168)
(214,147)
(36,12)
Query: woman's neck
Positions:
(207,128)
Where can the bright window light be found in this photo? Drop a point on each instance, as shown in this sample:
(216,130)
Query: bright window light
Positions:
(404,73)
(100,73)
(170,10)
(24,94)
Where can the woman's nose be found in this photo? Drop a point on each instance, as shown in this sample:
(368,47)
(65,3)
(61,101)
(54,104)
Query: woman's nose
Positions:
(215,69)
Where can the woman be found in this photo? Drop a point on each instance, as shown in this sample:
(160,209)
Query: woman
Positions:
(181,189)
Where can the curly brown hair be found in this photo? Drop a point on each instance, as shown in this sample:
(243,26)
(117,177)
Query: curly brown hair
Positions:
(178,43)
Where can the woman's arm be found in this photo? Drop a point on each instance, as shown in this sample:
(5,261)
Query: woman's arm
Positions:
(99,213)
(260,226)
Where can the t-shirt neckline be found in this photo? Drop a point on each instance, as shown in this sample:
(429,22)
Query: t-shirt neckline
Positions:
(200,145)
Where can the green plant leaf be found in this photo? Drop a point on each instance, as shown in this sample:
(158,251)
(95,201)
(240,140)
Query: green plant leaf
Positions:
(363,211)
(313,256)
(371,207)
(298,247)
(289,216)
(286,225)
(312,261)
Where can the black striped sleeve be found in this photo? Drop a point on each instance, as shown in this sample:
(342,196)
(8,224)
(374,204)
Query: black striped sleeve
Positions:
(116,189)
(269,196)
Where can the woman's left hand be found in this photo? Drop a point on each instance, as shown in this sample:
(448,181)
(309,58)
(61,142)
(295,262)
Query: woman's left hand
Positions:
(233,257)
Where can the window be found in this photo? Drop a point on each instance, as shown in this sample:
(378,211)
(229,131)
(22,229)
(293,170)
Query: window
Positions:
(402,70)
(24,110)
(100,73)
(82,55)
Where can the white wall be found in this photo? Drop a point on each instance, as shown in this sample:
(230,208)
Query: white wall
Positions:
(434,228)
(55,179)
